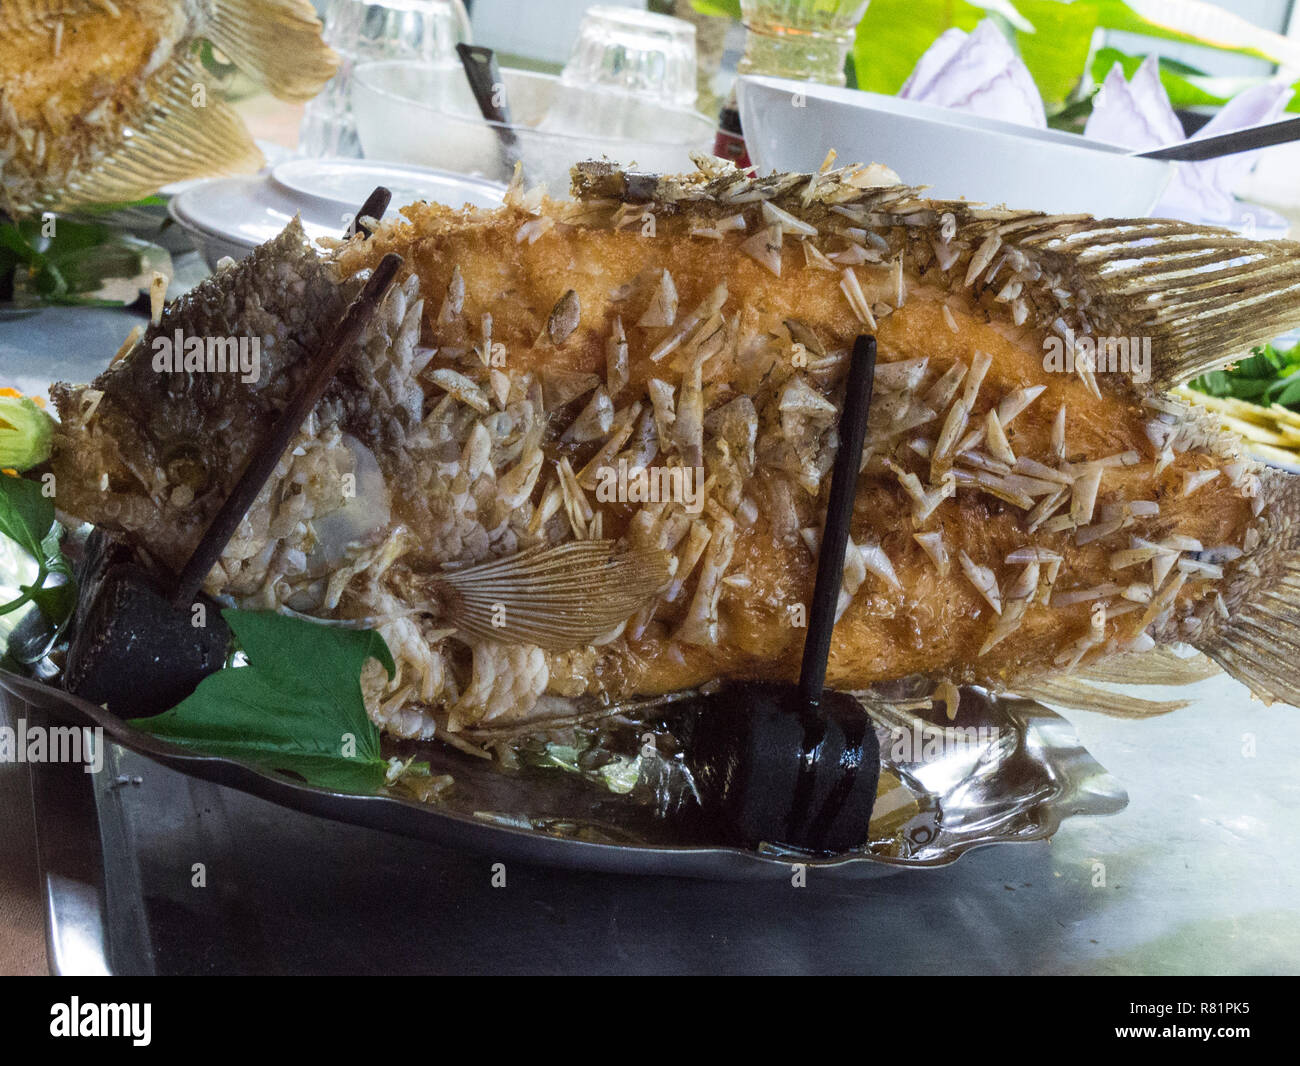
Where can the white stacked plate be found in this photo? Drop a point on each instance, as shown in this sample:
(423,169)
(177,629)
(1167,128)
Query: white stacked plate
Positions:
(232,216)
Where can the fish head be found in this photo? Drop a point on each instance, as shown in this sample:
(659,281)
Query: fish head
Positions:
(154,445)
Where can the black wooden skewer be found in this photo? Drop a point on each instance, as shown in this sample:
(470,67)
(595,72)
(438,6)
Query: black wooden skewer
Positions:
(340,343)
(374,207)
(787,763)
(839,513)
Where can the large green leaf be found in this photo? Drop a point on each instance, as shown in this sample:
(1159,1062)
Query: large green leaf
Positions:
(1187,87)
(1183,92)
(1175,20)
(296,707)
(894,34)
(725,8)
(1056,52)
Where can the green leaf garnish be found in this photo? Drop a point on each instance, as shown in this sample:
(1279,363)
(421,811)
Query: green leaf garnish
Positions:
(724,8)
(1056,52)
(76,260)
(1268,376)
(27,518)
(121,205)
(296,707)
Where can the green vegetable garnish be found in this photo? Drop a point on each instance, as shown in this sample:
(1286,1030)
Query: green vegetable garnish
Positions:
(25,433)
(27,518)
(1269,376)
(70,264)
(296,707)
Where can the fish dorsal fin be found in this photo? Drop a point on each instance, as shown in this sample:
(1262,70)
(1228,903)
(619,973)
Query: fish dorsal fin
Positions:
(1200,294)
(171,140)
(556,598)
(278,42)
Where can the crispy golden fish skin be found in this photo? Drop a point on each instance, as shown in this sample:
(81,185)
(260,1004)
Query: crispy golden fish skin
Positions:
(660,363)
(104,101)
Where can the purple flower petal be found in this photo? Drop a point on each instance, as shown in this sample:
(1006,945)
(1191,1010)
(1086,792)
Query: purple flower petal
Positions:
(978,73)
(1136,115)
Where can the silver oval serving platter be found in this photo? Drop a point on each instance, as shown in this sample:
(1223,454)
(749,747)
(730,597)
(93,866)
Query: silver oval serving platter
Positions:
(1013,776)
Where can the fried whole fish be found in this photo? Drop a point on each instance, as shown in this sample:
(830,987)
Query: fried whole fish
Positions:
(659,364)
(102,102)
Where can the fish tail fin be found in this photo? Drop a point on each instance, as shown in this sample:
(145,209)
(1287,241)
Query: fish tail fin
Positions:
(177,129)
(172,139)
(1258,638)
(276,41)
(555,598)
(1201,296)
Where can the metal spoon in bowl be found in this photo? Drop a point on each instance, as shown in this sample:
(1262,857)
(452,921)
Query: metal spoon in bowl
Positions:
(489,90)
(1231,143)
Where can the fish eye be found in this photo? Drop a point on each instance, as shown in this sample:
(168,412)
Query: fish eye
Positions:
(184,465)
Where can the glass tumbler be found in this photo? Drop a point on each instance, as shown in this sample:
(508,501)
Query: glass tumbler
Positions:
(637,52)
(423,30)
(805,39)
(631,75)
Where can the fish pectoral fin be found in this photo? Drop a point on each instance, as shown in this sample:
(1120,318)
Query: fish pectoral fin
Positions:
(172,140)
(555,598)
(1068,691)
(278,42)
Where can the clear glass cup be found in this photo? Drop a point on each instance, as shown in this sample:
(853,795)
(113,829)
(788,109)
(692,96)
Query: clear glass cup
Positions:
(410,113)
(806,39)
(362,32)
(641,53)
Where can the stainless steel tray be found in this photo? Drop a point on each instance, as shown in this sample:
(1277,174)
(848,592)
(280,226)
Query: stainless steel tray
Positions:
(1028,773)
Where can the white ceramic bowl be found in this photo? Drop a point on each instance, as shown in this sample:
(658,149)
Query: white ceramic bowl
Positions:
(957,155)
(420,114)
(232,216)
